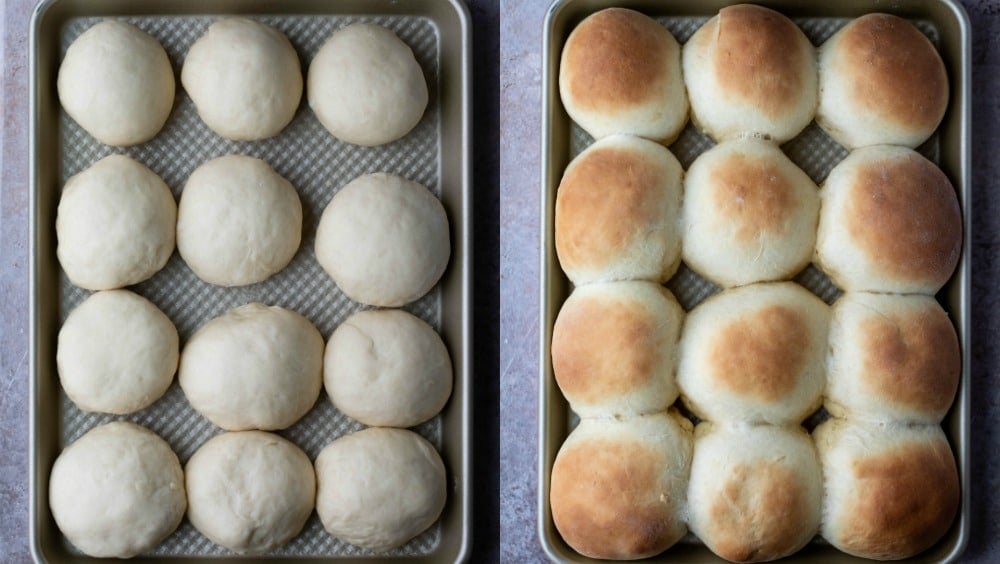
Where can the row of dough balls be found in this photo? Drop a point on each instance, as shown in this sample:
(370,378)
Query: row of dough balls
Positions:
(751,71)
(383,239)
(886,219)
(245,79)
(630,488)
(119,490)
(254,367)
(763,353)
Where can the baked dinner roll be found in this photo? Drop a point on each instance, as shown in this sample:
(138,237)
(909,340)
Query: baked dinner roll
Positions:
(892,358)
(750,71)
(117,491)
(755,491)
(890,491)
(117,83)
(881,82)
(617,212)
(889,222)
(245,79)
(755,354)
(620,72)
(749,214)
(618,487)
(614,348)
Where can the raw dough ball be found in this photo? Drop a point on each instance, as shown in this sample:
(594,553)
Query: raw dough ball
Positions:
(387,368)
(117,353)
(255,367)
(238,222)
(379,488)
(384,240)
(365,85)
(117,83)
(251,491)
(117,491)
(245,79)
(115,224)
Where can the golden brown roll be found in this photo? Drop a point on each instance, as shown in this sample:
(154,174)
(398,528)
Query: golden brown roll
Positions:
(750,71)
(881,82)
(889,222)
(618,488)
(755,354)
(620,72)
(614,348)
(617,212)
(755,491)
(890,491)
(892,358)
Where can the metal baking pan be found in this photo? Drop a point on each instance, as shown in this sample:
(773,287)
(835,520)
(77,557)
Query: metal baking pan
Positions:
(946,24)
(436,153)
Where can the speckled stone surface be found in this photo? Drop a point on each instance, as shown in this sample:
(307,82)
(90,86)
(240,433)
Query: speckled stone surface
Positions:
(14,248)
(520,110)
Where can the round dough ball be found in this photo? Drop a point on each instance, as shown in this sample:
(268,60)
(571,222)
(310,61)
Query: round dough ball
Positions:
(117,491)
(115,224)
(749,214)
(755,354)
(117,353)
(893,358)
(250,491)
(379,487)
(117,83)
(620,72)
(365,85)
(755,491)
(750,71)
(238,221)
(614,349)
(890,491)
(889,222)
(245,79)
(617,213)
(384,240)
(254,367)
(880,82)
(387,368)
(619,487)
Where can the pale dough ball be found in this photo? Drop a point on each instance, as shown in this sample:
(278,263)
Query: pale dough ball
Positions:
(117,353)
(117,491)
(115,224)
(238,222)
(378,488)
(254,367)
(384,240)
(365,85)
(251,491)
(117,83)
(387,368)
(245,79)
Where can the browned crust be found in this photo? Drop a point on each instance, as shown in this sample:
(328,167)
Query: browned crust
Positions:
(754,195)
(607,347)
(616,59)
(607,200)
(904,215)
(609,501)
(912,359)
(759,57)
(905,500)
(894,71)
(758,514)
(762,354)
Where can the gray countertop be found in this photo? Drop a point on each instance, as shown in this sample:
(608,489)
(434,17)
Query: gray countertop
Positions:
(14,245)
(520,118)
